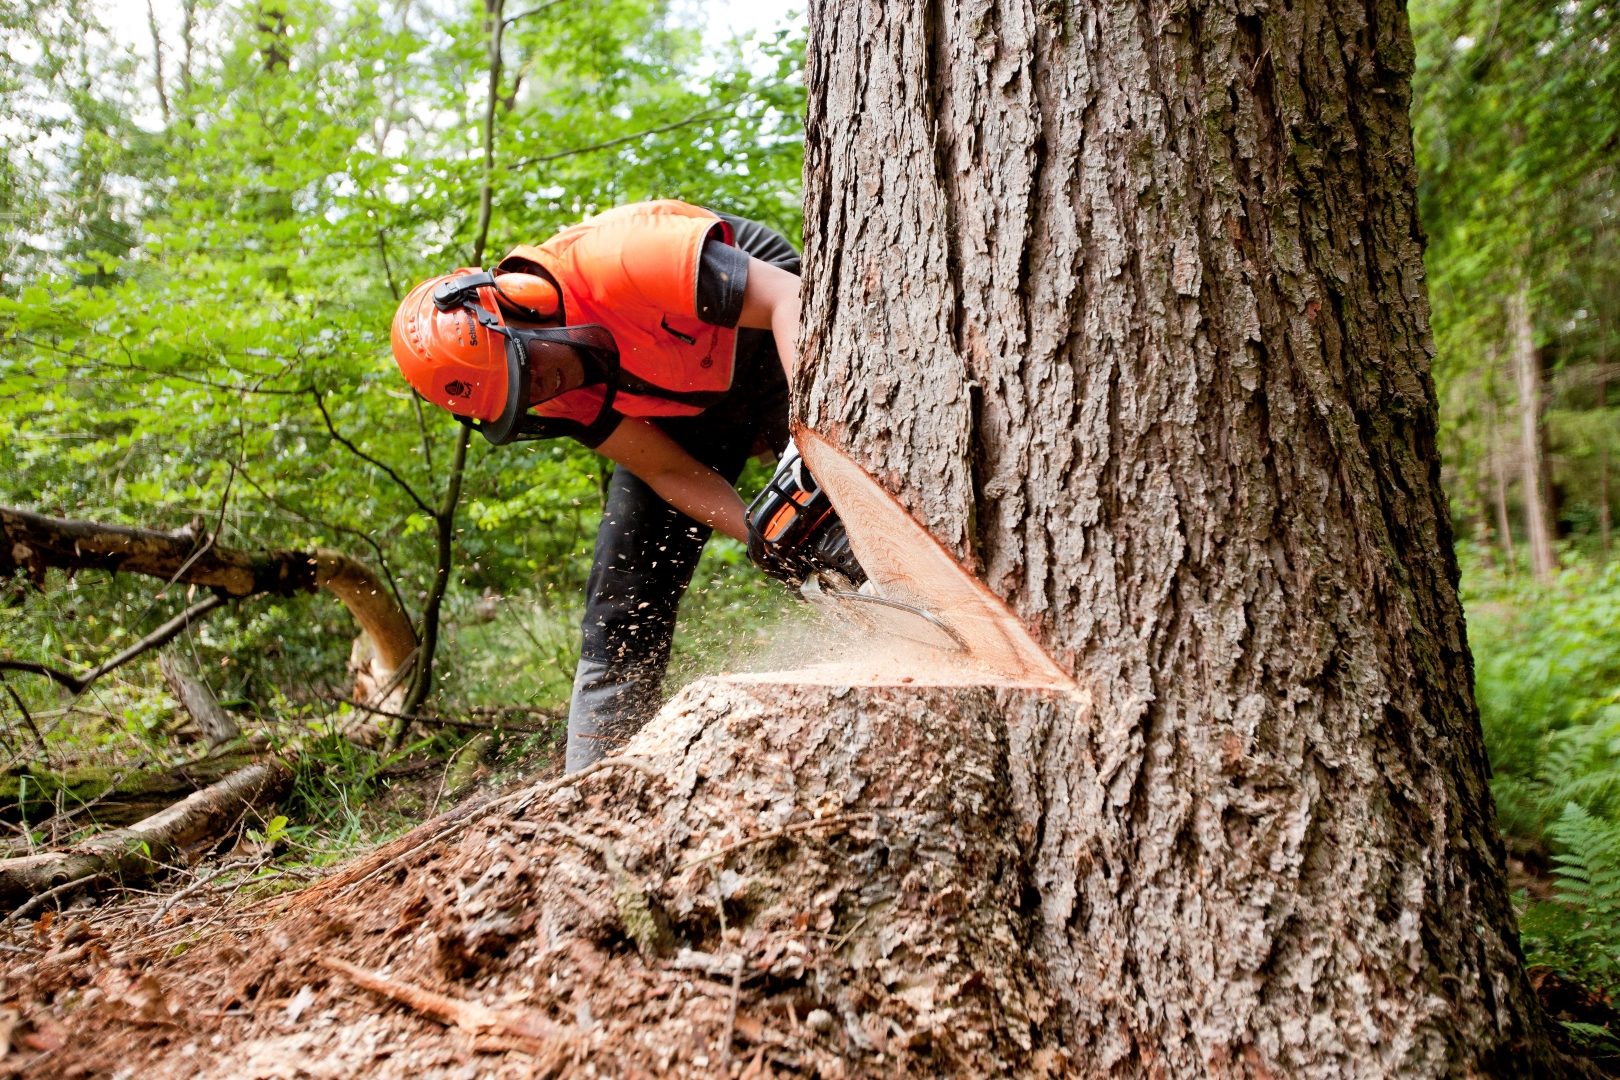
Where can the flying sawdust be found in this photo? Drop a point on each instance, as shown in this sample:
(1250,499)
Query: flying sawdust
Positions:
(906,563)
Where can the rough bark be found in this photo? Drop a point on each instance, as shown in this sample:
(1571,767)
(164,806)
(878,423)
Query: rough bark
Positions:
(1527,372)
(145,848)
(1125,302)
(198,701)
(34,543)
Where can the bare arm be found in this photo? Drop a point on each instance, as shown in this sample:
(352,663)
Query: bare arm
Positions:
(771,302)
(679,478)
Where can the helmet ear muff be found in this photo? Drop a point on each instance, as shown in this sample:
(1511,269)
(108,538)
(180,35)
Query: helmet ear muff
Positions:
(527,295)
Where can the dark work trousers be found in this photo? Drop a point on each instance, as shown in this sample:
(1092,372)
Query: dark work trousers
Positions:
(646,550)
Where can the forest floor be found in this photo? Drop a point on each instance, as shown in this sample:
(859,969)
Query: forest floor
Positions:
(233,986)
(543,927)
(507,938)
(618,923)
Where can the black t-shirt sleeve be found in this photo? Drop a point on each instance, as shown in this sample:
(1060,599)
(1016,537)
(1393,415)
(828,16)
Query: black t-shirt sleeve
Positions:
(763,242)
(722,279)
(723,267)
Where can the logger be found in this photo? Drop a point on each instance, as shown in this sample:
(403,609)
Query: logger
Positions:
(661,335)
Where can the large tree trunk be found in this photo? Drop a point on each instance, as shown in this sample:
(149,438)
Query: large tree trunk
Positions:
(1126,304)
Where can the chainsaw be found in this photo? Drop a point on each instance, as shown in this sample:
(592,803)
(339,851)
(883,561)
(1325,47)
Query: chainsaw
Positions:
(796,537)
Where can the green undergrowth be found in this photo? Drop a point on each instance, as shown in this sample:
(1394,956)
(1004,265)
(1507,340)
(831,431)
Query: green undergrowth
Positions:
(1547,679)
(278,665)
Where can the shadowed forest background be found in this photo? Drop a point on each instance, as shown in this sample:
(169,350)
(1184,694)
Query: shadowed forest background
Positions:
(205,235)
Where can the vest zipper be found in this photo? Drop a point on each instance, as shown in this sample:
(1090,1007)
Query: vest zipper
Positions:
(689,339)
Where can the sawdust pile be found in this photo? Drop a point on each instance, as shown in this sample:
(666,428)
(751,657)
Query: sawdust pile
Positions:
(788,881)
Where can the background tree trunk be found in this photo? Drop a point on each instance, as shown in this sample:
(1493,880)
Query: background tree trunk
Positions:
(1527,370)
(1126,304)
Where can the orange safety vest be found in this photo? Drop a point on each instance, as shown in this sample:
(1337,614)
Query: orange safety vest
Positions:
(634,271)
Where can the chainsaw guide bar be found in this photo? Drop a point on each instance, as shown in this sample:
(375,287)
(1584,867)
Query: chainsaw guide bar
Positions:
(880,615)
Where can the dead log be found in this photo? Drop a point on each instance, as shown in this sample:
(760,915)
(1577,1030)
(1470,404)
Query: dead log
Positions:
(198,700)
(35,543)
(114,796)
(134,853)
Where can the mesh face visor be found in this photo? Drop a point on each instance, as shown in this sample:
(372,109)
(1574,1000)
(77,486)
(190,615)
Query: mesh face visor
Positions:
(598,362)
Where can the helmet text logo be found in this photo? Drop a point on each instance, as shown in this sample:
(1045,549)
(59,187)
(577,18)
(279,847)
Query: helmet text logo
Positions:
(457,388)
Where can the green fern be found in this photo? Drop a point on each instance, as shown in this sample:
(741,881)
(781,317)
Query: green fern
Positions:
(1547,679)
(1580,933)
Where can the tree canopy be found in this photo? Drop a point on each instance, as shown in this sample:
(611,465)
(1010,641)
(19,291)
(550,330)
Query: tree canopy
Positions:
(206,239)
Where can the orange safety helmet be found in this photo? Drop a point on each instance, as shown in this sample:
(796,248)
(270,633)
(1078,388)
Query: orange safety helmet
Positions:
(454,344)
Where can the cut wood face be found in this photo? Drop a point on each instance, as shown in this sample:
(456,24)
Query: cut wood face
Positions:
(907,564)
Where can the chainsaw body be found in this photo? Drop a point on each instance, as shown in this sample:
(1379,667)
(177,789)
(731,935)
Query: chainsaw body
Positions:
(796,536)
(794,533)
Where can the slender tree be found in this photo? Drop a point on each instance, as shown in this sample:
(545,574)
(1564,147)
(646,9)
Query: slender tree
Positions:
(1527,371)
(1126,304)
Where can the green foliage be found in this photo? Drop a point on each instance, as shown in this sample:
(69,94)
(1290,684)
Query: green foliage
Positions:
(1517,134)
(196,286)
(1547,679)
(213,341)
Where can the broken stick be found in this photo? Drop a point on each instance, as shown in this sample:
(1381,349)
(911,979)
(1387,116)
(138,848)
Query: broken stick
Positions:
(469,1016)
(145,847)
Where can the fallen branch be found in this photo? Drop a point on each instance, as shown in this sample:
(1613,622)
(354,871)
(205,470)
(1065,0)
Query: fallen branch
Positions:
(195,696)
(48,894)
(731,1019)
(550,712)
(436,721)
(148,846)
(109,798)
(78,684)
(469,1016)
(202,883)
(35,543)
(449,823)
(27,718)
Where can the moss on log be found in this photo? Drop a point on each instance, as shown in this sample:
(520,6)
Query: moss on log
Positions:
(125,795)
(148,846)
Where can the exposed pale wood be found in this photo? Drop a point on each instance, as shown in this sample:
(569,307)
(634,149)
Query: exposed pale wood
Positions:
(908,564)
